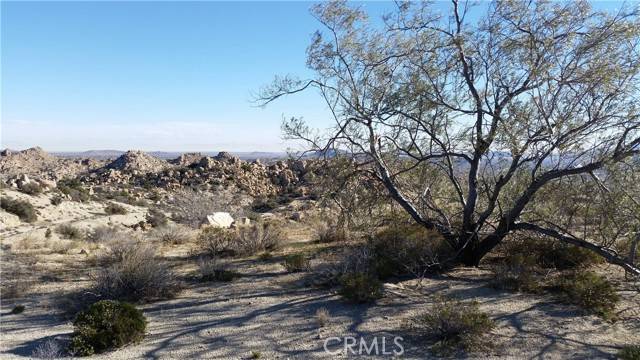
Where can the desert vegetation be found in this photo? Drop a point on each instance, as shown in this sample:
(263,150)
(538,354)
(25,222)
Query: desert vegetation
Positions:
(477,197)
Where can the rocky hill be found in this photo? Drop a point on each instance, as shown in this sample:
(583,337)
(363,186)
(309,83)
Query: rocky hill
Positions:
(40,164)
(137,162)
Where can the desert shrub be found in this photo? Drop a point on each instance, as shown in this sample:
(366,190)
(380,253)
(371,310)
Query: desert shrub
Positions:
(115,209)
(56,200)
(215,270)
(74,188)
(135,274)
(360,287)
(322,317)
(49,349)
(104,234)
(629,352)
(18,309)
(106,325)
(453,324)
(552,254)
(48,233)
(156,218)
(407,249)
(68,231)
(264,204)
(296,263)
(175,234)
(589,291)
(329,232)
(32,188)
(517,273)
(23,209)
(241,241)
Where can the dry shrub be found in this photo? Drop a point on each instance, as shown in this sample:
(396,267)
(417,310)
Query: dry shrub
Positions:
(115,209)
(241,241)
(329,231)
(23,209)
(32,188)
(56,200)
(105,234)
(322,317)
(49,349)
(173,234)
(629,352)
(453,324)
(215,270)
(296,263)
(68,231)
(135,274)
(156,218)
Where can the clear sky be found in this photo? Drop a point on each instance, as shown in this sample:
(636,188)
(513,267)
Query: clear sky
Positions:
(173,76)
(151,75)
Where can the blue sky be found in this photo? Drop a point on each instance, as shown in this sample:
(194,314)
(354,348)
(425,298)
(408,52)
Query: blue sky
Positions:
(173,76)
(152,76)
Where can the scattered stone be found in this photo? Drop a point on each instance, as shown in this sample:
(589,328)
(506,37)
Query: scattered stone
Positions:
(220,219)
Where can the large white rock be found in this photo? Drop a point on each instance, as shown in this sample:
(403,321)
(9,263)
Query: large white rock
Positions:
(220,219)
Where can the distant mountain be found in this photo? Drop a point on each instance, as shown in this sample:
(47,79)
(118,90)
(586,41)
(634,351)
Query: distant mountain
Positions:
(112,154)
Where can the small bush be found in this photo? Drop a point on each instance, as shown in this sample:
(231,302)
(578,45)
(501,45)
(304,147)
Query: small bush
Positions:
(18,309)
(104,234)
(68,231)
(455,324)
(48,233)
(23,209)
(551,254)
(50,349)
(56,200)
(176,234)
(136,274)
(296,263)
(405,249)
(589,291)
(106,325)
(156,218)
(32,188)
(360,287)
(516,274)
(74,189)
(213,270)
(115,209)
(629,352)
(241,241)
(322,317)
(264,204)
(328,232)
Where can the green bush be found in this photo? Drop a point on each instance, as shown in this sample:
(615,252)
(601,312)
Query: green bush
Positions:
(115,209)
(408,249)
(32,188)
(23,209)
(296,263)
(18,309)
(551,254)
(68,231)
(74,189)
(455,324)
(629,352)
(516,274)
(360,287)
(589,291)
(106,325)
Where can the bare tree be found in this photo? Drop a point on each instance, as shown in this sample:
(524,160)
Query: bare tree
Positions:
(525,96)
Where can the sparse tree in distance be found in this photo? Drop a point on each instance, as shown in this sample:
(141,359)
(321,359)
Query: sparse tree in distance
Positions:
(504,101)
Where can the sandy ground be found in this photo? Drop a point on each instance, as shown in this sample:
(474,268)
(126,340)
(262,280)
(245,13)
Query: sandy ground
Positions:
(270,311)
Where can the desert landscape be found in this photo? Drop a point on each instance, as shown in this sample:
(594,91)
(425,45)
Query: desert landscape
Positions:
(428,180)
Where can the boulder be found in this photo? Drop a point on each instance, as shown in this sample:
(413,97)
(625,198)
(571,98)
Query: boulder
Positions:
(243,221)
(220,219)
